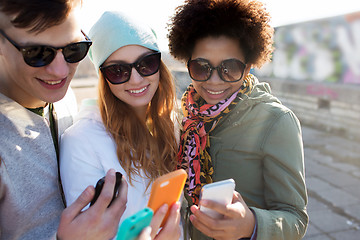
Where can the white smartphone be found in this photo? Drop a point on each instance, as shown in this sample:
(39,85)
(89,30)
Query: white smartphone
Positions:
(221,192)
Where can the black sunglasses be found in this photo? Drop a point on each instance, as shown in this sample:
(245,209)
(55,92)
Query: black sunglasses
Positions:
(42,55)
(120,73)
(229,70)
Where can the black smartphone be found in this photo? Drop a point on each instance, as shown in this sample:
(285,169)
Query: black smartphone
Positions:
(100,184)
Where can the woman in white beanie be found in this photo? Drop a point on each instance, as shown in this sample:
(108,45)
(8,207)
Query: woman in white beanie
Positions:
(130,127)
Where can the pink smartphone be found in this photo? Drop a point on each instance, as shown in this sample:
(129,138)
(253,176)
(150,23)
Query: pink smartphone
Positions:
(221,192)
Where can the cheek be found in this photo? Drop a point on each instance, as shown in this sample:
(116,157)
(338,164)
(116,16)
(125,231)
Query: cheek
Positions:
(116,90)
(197,86)
(155,79)
(72,68)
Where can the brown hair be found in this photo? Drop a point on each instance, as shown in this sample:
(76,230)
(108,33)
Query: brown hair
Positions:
(149,146)
(243,20)
(37,15)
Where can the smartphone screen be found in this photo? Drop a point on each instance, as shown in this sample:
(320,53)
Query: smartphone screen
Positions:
(100,184)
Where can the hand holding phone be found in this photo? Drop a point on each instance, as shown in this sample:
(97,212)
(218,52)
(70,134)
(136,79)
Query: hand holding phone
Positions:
(220,192)
(100,184)
(132,226)
(167,190)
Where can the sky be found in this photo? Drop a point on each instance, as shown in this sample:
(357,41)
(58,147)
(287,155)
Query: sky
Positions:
(156,13)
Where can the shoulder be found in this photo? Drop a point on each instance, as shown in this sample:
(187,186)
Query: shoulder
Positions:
(87,126)
(263,102)
(66,109)
(258,113)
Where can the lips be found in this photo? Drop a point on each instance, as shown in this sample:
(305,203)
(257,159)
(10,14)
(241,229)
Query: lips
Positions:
(138,91)
(215,92)
(52,84)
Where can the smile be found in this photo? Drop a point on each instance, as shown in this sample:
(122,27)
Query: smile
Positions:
(215,93)
(138,91)
(52,82)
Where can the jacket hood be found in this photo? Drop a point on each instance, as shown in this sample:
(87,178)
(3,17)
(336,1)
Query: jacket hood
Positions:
(261,92)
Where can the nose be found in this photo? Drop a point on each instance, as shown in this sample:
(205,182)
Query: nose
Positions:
(59,68)
(215,78)
(135,77)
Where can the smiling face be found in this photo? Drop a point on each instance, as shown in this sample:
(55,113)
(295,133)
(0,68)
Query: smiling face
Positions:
(34,86)
(138,91)
(216,50)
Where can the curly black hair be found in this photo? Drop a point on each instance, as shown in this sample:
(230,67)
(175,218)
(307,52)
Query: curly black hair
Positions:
(243,20)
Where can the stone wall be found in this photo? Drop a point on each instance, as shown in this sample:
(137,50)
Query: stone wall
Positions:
(331,107)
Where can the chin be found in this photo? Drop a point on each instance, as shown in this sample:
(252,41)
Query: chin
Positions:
(55,98)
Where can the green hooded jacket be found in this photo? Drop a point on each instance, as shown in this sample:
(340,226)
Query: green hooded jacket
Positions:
(259,145)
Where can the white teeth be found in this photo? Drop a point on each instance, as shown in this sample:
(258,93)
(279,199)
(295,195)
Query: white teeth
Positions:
(52,82)
(219,92)
(138,91)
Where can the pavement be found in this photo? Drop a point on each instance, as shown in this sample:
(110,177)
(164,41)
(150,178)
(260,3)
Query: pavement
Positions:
(332,174)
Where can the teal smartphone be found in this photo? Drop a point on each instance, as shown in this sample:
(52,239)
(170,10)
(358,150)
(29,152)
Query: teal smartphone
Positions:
(132,226)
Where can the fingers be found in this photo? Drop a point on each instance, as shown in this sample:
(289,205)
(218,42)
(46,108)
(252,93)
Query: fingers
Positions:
(107,192)
(75,208)
(157,219)
(204,223)
(99,221)
(237,197)
(174,216)
(218,207)
(145,234)
(226,210)
(171,229)
(235,215)
(119,204)
(201,218)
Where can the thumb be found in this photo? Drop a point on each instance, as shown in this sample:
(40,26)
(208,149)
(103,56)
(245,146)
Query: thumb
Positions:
(237,197)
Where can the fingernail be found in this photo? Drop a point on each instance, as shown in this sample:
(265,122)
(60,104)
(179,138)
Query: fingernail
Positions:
(177,206)
(111,171)
(164,208)
(203,203)
(147,230)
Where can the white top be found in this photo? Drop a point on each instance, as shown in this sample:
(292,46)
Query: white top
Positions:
(87,152)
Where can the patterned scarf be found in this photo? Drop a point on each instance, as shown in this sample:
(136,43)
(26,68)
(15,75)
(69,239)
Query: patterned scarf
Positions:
(199,120)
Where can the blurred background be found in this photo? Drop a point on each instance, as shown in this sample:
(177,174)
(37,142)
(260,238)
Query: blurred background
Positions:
(315,71)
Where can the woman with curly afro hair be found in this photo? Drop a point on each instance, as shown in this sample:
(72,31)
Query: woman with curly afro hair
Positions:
(233,126)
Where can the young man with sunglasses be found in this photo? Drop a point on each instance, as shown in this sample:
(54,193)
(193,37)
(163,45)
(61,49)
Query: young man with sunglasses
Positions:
(41,45)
